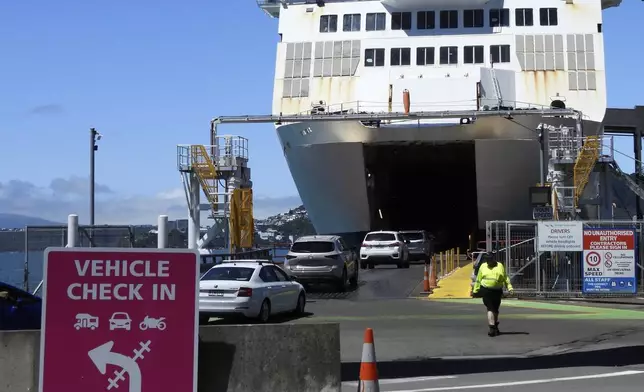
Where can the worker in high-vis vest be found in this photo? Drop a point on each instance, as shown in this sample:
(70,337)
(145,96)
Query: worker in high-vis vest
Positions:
(490,280)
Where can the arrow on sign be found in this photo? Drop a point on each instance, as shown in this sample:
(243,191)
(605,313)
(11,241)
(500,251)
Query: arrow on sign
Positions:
(103,355)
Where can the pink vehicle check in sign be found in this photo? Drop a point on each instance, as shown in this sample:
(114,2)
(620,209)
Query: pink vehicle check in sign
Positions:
(114,319)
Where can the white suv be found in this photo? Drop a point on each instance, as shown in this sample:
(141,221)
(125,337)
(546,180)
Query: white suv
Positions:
(384,247)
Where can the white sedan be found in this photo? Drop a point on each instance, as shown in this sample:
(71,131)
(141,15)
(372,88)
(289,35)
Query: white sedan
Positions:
(252,288)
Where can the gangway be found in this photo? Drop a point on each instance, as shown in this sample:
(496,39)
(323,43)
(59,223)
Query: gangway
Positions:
(220,171)
(628,180)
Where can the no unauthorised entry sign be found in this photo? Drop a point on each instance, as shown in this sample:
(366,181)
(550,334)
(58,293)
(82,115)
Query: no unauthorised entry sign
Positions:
(114,319)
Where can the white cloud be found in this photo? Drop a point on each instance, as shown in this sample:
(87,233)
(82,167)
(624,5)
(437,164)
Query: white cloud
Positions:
(64,196)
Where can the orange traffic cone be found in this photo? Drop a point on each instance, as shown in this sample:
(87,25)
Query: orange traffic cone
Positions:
(432,277)
(426,288)
(368,368)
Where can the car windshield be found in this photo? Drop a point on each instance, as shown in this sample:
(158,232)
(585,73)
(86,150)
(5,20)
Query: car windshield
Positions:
(312,247)
(229,273)
(380,237)
(415,236)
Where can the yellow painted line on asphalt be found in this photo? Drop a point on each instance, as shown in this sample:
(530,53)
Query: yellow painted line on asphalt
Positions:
(430,317)
(598,311)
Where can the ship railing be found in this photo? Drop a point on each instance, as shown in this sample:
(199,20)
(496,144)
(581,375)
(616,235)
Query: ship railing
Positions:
(384,107)
(229,151)
(295,2)
(607,148)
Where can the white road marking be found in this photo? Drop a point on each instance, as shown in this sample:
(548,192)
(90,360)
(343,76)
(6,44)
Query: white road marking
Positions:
(402,380)
(528,382)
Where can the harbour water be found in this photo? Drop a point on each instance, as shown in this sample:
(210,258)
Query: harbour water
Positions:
(14,264)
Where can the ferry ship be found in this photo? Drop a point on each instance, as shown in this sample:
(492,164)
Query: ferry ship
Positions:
(445,175)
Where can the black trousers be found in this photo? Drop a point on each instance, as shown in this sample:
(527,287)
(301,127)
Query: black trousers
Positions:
(491,298)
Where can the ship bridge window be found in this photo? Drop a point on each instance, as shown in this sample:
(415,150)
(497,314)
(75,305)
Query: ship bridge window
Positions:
(449,19)
(425,56)
(524,17)
(426,20)
(328,23)
(401,20)
(449,55)
(548,17)
(473,54)
(500,54)
(473,18)
(376,21)
(374,57)
(351,22)
(400,56)
(500,17)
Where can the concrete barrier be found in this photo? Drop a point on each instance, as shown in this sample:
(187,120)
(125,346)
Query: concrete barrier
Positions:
(232,358)
(19,361)
(270,358)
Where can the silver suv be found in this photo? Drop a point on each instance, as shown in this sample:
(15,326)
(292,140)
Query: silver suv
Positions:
(323,259)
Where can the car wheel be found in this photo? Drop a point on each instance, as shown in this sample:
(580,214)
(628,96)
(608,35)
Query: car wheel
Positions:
(264,312)
(363,265)
(342,284)
(301,303)
(354,279)
(371,266)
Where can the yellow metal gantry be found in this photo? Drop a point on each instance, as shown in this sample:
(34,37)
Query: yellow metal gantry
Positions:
(237,206)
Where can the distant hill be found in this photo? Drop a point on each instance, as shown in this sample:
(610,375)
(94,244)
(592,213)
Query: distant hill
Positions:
(15,221)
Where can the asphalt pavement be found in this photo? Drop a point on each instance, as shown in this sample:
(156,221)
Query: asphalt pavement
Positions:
(443,344)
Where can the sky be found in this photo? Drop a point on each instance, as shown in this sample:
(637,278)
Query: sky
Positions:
(150,75)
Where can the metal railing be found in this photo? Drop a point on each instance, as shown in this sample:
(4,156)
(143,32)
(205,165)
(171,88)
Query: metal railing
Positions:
(550,274)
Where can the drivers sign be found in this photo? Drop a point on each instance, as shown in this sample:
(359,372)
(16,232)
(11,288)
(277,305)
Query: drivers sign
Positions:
(114,318)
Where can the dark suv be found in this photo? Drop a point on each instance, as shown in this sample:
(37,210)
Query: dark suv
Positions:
(420,245)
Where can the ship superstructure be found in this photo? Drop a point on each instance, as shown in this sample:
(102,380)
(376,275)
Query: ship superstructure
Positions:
(437,55)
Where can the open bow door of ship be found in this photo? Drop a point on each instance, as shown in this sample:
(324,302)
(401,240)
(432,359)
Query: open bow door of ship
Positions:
(423,186)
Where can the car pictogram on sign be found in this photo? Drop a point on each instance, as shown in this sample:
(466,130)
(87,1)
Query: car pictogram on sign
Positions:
(120,320)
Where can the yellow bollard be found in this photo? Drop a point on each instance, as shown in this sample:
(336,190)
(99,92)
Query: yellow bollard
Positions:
(452,257)
(442,265)
(453,260)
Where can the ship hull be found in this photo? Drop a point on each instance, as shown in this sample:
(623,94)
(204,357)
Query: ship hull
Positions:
(330,162)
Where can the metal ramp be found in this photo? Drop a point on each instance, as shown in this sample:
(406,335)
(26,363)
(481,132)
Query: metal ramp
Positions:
(628,180)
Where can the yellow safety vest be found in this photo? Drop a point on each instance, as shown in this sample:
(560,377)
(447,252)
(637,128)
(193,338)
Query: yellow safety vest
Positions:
(491,278)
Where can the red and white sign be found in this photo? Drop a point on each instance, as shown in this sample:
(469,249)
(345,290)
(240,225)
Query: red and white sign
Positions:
(609,253)
(119,319)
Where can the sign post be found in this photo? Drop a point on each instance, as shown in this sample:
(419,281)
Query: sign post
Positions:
(559,236)
(609,261)
(115,317)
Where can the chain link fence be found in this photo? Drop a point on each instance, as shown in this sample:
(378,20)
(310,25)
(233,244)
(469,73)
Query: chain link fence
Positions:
(551,274)
(22,265)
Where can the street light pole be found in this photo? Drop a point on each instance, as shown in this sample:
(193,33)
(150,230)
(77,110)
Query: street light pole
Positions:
(94,137)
